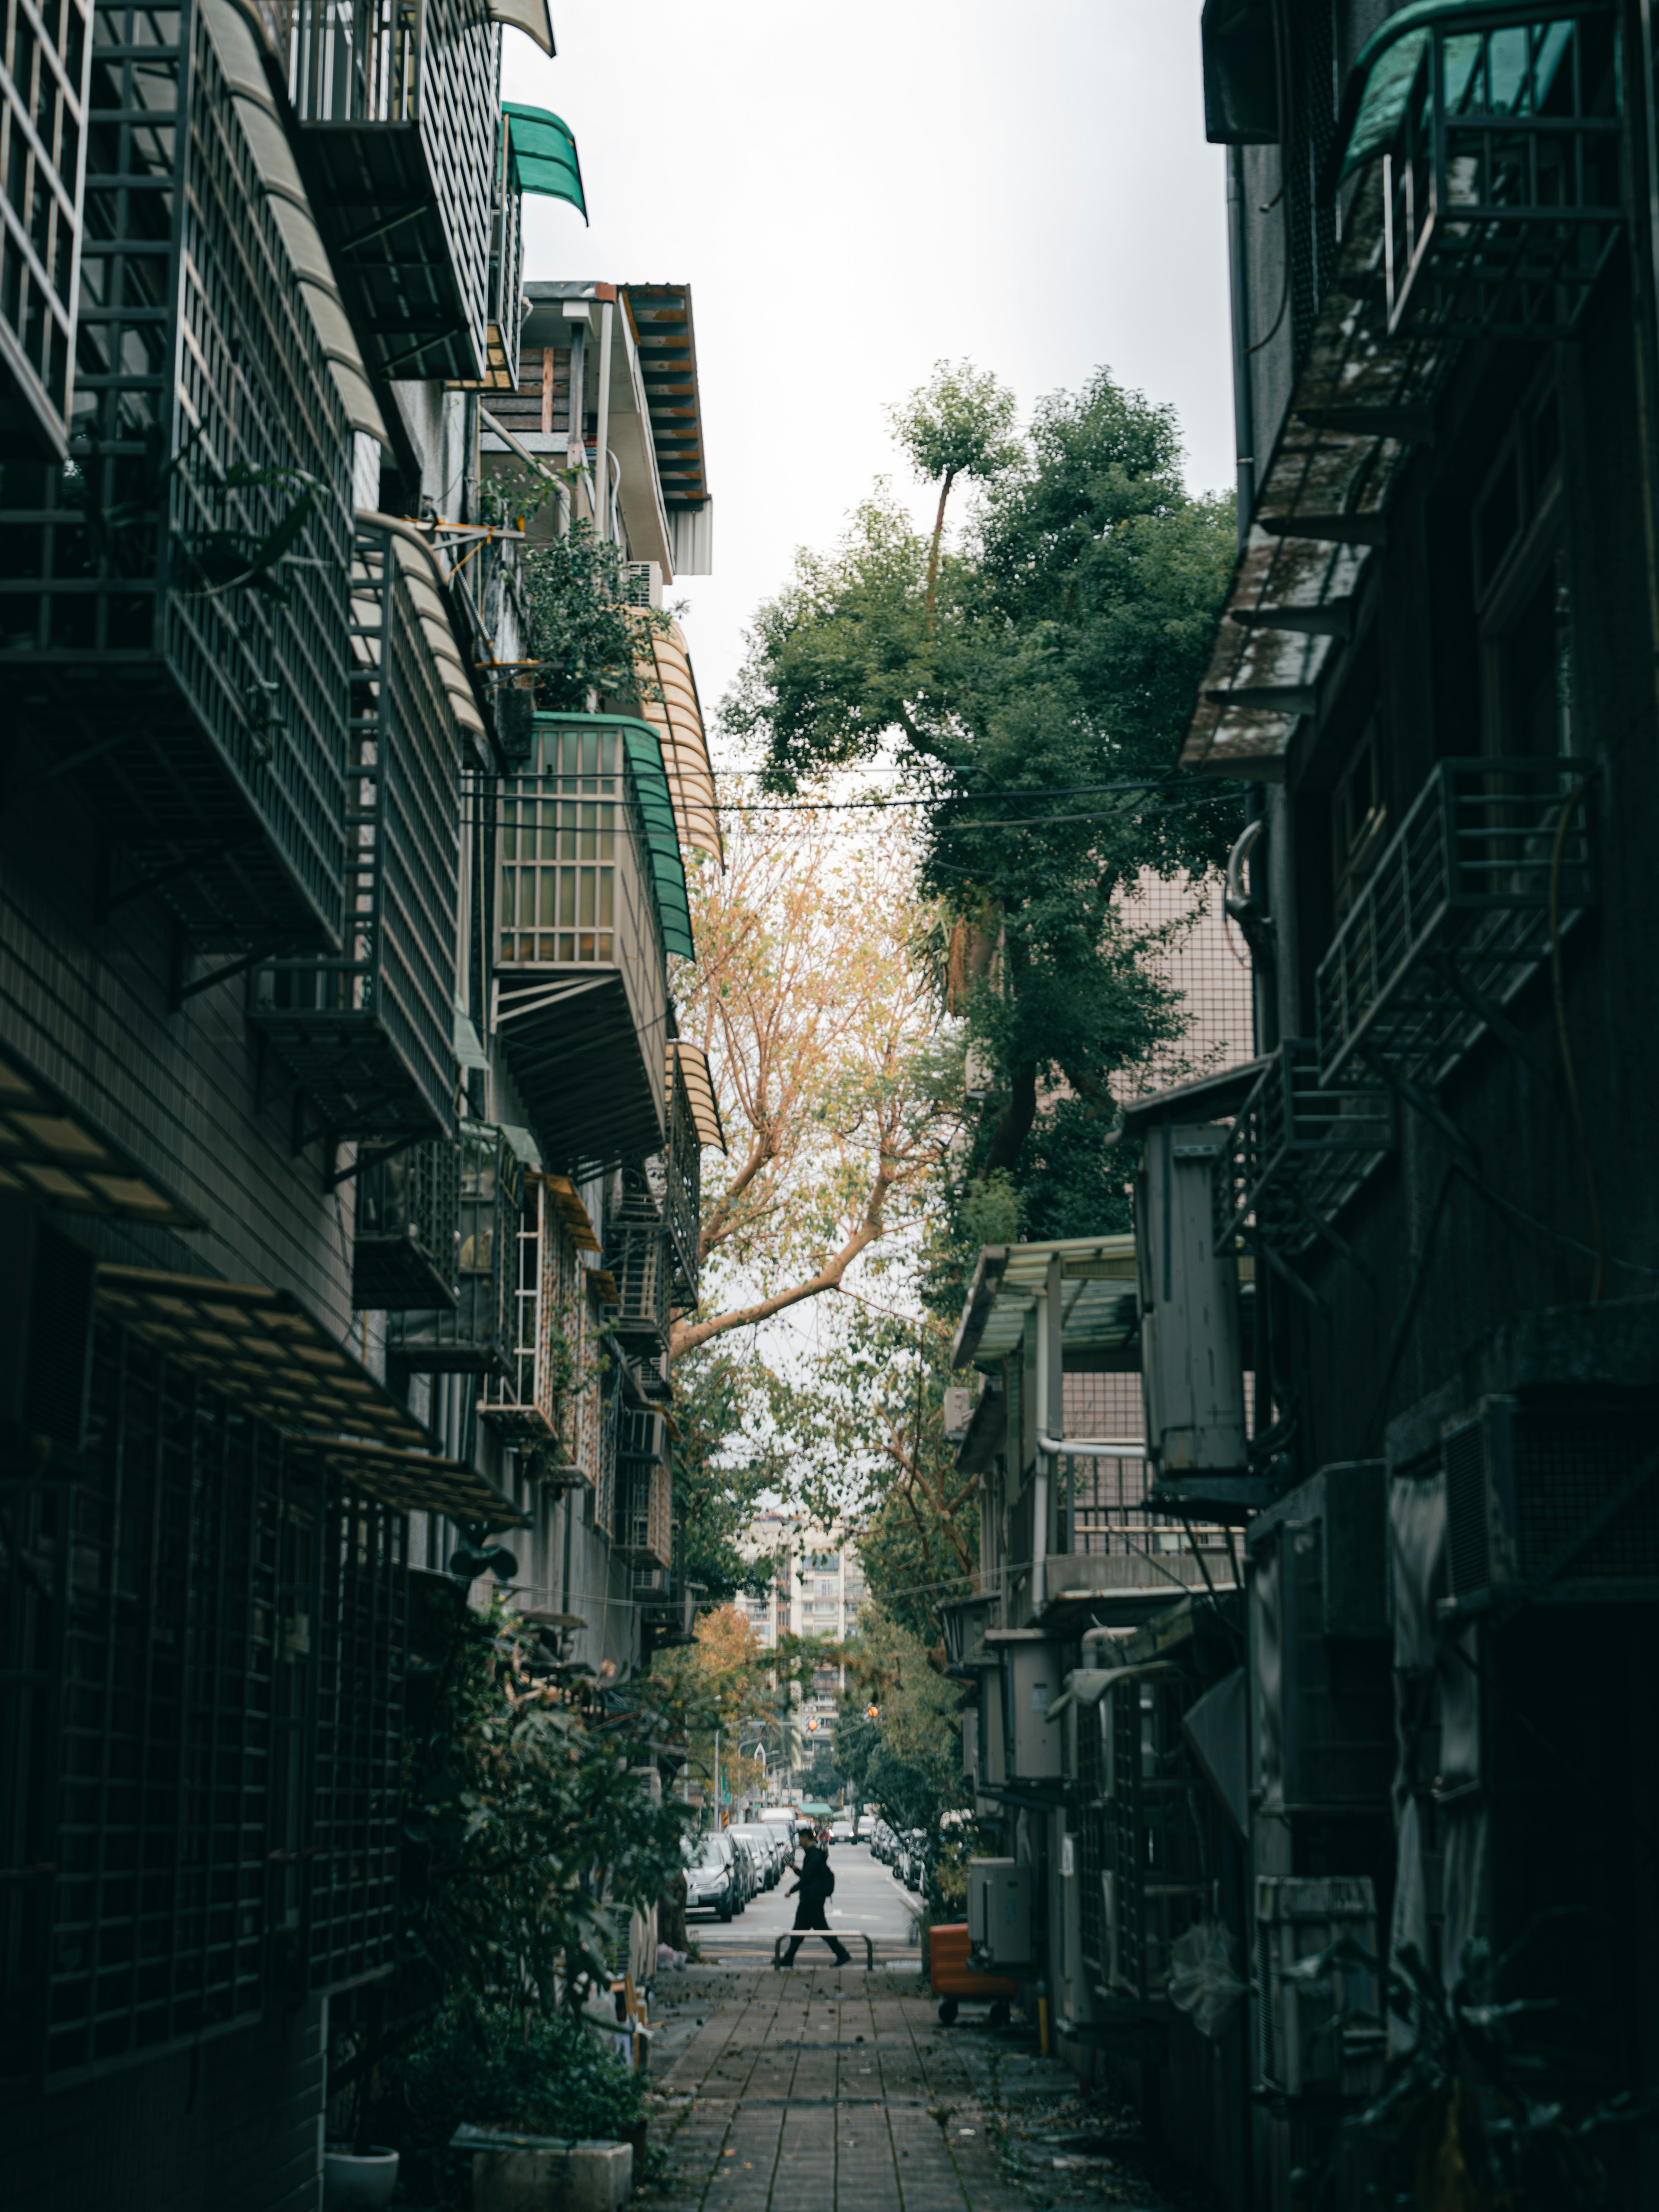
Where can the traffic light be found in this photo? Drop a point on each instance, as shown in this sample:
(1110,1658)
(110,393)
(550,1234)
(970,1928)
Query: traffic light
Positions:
(872,1713)
(812,1728)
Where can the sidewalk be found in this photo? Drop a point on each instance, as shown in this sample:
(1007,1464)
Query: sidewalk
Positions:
(838,2090)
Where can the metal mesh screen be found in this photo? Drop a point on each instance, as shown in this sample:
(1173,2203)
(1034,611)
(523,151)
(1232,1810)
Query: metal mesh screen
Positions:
(1309,211)
(370,1034)
(1205,966)
(42,115)
(199,1720)
(209,421)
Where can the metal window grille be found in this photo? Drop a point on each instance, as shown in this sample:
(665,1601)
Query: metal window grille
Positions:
(369,1033)
(1309,210)
(682,1197)
(644,1531)
(519,1403)
(1152,1840)
(1454,918)
(580,973)
(355,1826)
(42,108)
(1100,1504)
(1299,1151)
(205,419)
(406,1244)
(201,1704)
(1502,187)
(637,1251)
(399,137)
(475,1336)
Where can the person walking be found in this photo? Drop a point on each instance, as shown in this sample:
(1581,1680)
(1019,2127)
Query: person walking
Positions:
(816,1883)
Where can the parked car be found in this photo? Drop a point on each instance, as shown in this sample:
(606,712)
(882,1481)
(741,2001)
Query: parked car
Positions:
(748,1857)
(712,1882)
(764,1843)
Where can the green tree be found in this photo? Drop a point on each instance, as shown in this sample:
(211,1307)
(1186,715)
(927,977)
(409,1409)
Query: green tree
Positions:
(1069,638)
(958,424)
(529,1819)
(725,1462)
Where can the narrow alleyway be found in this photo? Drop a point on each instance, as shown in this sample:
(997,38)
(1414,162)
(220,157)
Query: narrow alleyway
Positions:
(821,2090)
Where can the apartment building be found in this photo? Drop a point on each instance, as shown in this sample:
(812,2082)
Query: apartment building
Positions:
(349,1159)
(1391,1307)
(817,1591)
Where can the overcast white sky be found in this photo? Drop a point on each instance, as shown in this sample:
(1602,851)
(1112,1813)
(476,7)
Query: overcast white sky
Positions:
(854,192)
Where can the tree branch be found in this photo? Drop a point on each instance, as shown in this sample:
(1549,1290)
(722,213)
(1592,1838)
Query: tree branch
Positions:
(686,1336)
(1018,1115)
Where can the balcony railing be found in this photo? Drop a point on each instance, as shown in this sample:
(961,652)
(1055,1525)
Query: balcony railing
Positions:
(644,1530)
(39,246)
(407,1240)
(1492,861)
(637,1253)
(398,133)
(1499,132)
(1299,1150)
(591,898)
(479,1333)
(173,601)
(682,1197)
(369,1033)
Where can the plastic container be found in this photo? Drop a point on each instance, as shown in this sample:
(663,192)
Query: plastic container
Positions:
(954,1982)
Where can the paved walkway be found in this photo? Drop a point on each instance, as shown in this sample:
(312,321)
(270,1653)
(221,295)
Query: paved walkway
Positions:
(838,2090)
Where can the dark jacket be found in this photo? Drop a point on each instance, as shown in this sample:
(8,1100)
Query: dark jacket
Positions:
(816,1878)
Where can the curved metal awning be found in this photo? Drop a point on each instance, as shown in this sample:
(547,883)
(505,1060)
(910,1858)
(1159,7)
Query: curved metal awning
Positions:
(237,38)
(421,573)
(542,155)
(664,663)
(693,1064)
(532,17)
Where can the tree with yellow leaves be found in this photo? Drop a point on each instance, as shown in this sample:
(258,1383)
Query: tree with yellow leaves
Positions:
(818,1014)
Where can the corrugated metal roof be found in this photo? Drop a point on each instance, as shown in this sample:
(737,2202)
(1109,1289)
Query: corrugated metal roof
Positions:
(661,318)
(1099,1304)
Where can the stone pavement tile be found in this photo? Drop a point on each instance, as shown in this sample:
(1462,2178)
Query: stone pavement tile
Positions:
(822,2092)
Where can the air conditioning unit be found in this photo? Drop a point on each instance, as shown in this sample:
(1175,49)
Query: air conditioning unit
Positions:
(1320,2024)
(47,1287)
(642,584)
(1547,1496)
(958,1412)
(1192,1358)
(999,1914)
(1032,1674)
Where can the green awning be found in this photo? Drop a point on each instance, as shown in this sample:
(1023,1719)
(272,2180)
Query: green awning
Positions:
(1524,51)
(644,751)
(543,154)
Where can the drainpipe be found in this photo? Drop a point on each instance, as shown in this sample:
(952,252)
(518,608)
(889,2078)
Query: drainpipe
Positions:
(1243,396)
(1050,1395)
(602,408)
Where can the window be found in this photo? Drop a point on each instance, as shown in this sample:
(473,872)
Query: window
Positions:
(826,1589)
(823,1561)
